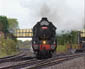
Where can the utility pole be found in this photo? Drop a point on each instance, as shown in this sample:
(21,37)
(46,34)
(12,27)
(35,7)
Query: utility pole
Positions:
(84,25)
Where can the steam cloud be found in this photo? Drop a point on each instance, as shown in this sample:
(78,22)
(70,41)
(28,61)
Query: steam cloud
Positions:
(65,15)
(46,11)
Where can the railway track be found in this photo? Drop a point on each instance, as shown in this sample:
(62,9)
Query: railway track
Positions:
(53,61)
(10,58)
(21,64)
(15,59)
(22,55)
(37,64)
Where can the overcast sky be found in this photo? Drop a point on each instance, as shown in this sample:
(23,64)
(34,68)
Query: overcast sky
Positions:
(65,14)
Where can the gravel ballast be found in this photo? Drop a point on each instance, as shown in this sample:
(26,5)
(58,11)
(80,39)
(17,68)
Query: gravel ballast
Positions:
(76,63)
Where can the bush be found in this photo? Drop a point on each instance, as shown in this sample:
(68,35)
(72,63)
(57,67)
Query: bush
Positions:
(7,46)
(61,48)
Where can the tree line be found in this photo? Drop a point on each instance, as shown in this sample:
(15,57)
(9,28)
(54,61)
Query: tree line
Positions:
(68,38)
(8,41)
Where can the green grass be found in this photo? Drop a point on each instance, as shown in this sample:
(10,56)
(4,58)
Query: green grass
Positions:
(61,48)
(2,54)
(75,46)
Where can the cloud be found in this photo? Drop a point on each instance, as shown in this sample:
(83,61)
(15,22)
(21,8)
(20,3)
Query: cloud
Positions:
(13,9)
(65,14)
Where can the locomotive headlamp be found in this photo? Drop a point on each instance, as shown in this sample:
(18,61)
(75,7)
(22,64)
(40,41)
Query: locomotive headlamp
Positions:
(44,41)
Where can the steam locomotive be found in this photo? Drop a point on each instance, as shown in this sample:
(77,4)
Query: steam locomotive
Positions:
(44,41)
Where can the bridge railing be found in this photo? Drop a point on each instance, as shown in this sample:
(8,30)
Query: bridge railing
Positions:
(23,33)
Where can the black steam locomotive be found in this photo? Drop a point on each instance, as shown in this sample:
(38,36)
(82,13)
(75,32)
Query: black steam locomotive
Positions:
(44,41)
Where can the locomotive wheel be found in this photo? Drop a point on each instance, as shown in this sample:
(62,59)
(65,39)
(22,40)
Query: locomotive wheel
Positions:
(44,54)
(49,54)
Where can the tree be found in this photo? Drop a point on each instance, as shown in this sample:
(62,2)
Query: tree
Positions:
(8,45)
(13,24)
(4,24)
(74,37)
(69,37)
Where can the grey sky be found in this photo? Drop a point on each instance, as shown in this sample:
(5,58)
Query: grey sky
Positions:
(65,14)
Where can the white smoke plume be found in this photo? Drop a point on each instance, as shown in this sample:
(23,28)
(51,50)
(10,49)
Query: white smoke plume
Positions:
(65,14)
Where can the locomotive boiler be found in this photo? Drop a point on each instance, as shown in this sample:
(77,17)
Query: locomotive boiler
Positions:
(44,41)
